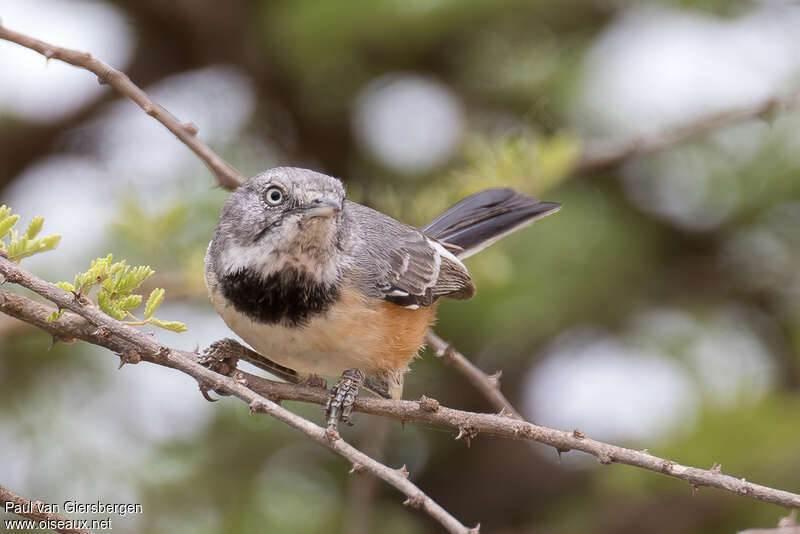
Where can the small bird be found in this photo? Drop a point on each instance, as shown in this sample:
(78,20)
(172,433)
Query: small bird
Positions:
(320,285)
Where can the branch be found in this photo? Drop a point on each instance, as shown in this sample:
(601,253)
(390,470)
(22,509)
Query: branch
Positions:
(227,176)
(93,326)
(33,510)
(487,385)
(89,323)
(599,156)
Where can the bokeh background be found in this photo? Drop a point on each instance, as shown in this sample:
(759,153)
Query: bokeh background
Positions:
(660,308)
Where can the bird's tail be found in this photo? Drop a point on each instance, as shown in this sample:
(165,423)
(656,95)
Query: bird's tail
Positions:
(485,217)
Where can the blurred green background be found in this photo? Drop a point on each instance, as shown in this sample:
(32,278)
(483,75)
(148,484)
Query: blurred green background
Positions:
(660,308)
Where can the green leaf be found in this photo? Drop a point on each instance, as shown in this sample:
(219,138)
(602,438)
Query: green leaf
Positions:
(34,228)
(130,302)
(134,279)
(66,286)
(55,316)
(175,326)
(6,223)
(153,302)
(110,306)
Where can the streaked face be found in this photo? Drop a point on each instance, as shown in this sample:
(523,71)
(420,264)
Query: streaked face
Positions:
(284,216)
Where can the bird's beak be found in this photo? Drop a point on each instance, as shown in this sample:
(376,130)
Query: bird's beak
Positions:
(322,207)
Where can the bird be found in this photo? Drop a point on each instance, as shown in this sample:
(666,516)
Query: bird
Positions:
(319,285)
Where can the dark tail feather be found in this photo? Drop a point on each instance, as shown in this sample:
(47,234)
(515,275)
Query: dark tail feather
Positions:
(485,217)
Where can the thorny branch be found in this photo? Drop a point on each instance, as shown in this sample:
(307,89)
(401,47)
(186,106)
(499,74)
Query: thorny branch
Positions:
(600,156)
(488,385)
(187,133)
(90,324)
(93,326)
(597,156)
(36,513)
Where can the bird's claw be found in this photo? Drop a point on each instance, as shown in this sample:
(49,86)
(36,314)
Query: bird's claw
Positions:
(343,396)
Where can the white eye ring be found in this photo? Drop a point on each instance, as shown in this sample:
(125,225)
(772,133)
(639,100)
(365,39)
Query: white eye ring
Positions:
(274,196)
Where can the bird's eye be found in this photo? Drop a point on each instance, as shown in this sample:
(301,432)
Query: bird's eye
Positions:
(274,195)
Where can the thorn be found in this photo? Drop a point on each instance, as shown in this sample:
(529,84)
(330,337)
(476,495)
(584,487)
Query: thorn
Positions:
(770,112)
(403,471)
(103,79)
(131,357)
(191,128)
(426,404)
(414,501)
(48,54)
(257,407)
(716,468)
(476,529)
(695,488)
(646,451)
(559,450)
(356,469)
(495,378)
(55,338)
(196,348)
(578,434)
(467,434)
(102,332)
(505,413)
(447,353)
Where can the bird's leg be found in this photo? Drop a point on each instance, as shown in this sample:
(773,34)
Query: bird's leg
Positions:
(223,355)
(343,396)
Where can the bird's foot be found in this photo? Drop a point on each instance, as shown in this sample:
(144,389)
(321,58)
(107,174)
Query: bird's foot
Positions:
(343,396)
(220,357)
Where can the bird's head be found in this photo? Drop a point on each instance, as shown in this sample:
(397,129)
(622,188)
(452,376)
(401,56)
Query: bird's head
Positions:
(283,216)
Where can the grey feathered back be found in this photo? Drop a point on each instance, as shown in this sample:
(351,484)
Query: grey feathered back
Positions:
(409,267)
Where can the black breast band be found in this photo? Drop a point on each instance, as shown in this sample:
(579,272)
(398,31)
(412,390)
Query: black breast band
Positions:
(290,296)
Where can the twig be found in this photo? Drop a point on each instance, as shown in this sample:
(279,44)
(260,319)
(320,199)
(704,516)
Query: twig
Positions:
(596,157)
(601,156)
(227,176)
(95,327)
(488,385)
(34,510)
(134,345)
(362,490)
(106,332)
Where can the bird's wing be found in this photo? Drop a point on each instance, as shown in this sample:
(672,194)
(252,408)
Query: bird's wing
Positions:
(400,264)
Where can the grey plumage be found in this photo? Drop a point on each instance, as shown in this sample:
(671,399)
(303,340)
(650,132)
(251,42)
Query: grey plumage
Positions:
(311,279)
